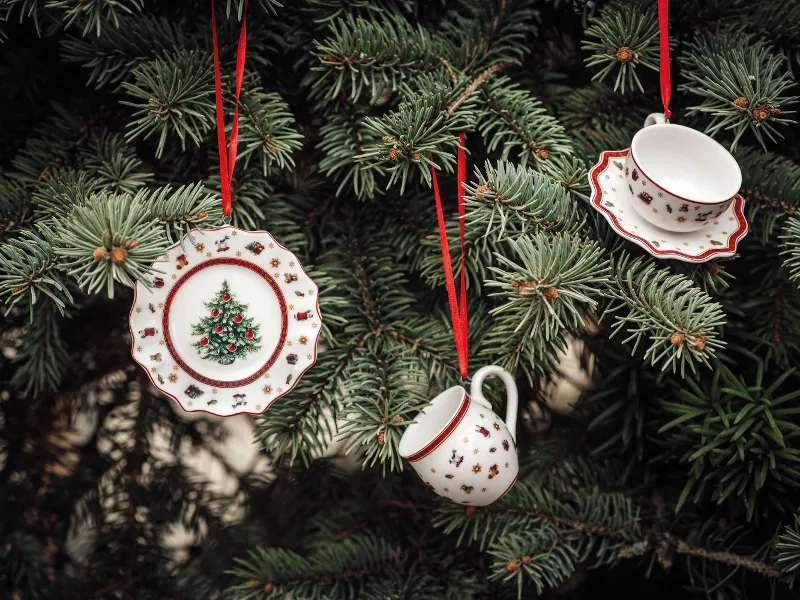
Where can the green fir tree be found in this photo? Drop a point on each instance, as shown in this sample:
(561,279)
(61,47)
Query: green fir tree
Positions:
(227,332)
(673,470)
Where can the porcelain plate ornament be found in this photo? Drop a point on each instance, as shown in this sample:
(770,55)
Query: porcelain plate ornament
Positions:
(612,196)
(229,322)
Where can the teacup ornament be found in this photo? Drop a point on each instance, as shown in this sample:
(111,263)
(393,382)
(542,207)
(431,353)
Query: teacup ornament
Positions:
(460,448)
(673,192)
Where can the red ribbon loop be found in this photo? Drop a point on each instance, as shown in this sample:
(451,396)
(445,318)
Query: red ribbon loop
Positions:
(227,159)
(457,317)
(663,34)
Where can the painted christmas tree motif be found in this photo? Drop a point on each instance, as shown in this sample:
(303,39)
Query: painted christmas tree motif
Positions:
(227,333)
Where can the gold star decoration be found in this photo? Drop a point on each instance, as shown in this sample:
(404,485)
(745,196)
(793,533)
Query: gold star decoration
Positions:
(291,263)
(199,247)
(475,451)
(660,194)
(160,342)
(233,233)
(138,348)
(310,292)
(291,307)
(655,210)
(275,263)
(314,325)
(280,390)
(174,276)
(708,235)
(153,370)
(266,375)
(613,189)
(644,182)
(175,368)
(172,378)
(189,404)
(466,440)
(258,407)
(309,357)
(433,470)
(208,254)
(214,390)
(288,342)
(160,305)
(238,253)
(276,275)
(476,468)
(138,309)
(272,246)
(267,389)
(303,339)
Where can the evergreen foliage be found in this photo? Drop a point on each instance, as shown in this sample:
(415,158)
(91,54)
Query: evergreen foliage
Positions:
(676,472)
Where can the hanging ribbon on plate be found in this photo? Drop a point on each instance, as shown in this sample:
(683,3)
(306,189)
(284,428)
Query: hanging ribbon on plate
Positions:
(663,34)
(458,307)
(227,159)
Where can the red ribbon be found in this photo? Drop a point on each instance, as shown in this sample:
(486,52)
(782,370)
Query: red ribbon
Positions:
(227,159)
(457,317)
(663,34)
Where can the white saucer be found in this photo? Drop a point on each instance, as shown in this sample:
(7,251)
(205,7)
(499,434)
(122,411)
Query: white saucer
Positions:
(718,239)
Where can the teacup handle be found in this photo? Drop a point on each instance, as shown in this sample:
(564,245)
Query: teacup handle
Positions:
(655,119)
(476,391)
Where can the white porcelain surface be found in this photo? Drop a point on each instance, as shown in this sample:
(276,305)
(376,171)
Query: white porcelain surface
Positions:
(612,198)
(278,296)
(683,178)
(460,448)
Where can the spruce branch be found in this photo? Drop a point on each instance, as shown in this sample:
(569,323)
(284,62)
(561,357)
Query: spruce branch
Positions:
(29,269)
(111,55)
(342,140)
(329,571)
(15,209)
(93,14)
(114,164)
(517,123)
(743,84)
(63,189)
(546,285)
(364,57)
(187,207)
(267,131)
(175,97)
(110,238)
(679,319)
(666,546)
(41,360)
(622,38)
(417,129)
(786,550)
(508,200)
(791,247)
(737,437)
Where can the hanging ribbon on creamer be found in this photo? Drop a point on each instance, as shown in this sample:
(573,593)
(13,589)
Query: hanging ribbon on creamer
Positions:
(458,306)
(227,158)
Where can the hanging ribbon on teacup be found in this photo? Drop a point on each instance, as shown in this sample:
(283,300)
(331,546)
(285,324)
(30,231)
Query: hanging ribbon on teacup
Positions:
(663,34)
(226,347)
(458,307)
(227,159)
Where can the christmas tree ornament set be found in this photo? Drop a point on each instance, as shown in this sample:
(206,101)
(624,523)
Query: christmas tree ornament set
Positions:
(227,321)
(457,444)
(674,192)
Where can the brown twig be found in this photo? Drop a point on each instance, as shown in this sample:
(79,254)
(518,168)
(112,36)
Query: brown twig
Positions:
(476,84)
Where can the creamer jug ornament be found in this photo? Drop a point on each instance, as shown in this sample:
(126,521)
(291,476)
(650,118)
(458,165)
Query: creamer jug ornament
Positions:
(458,445)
